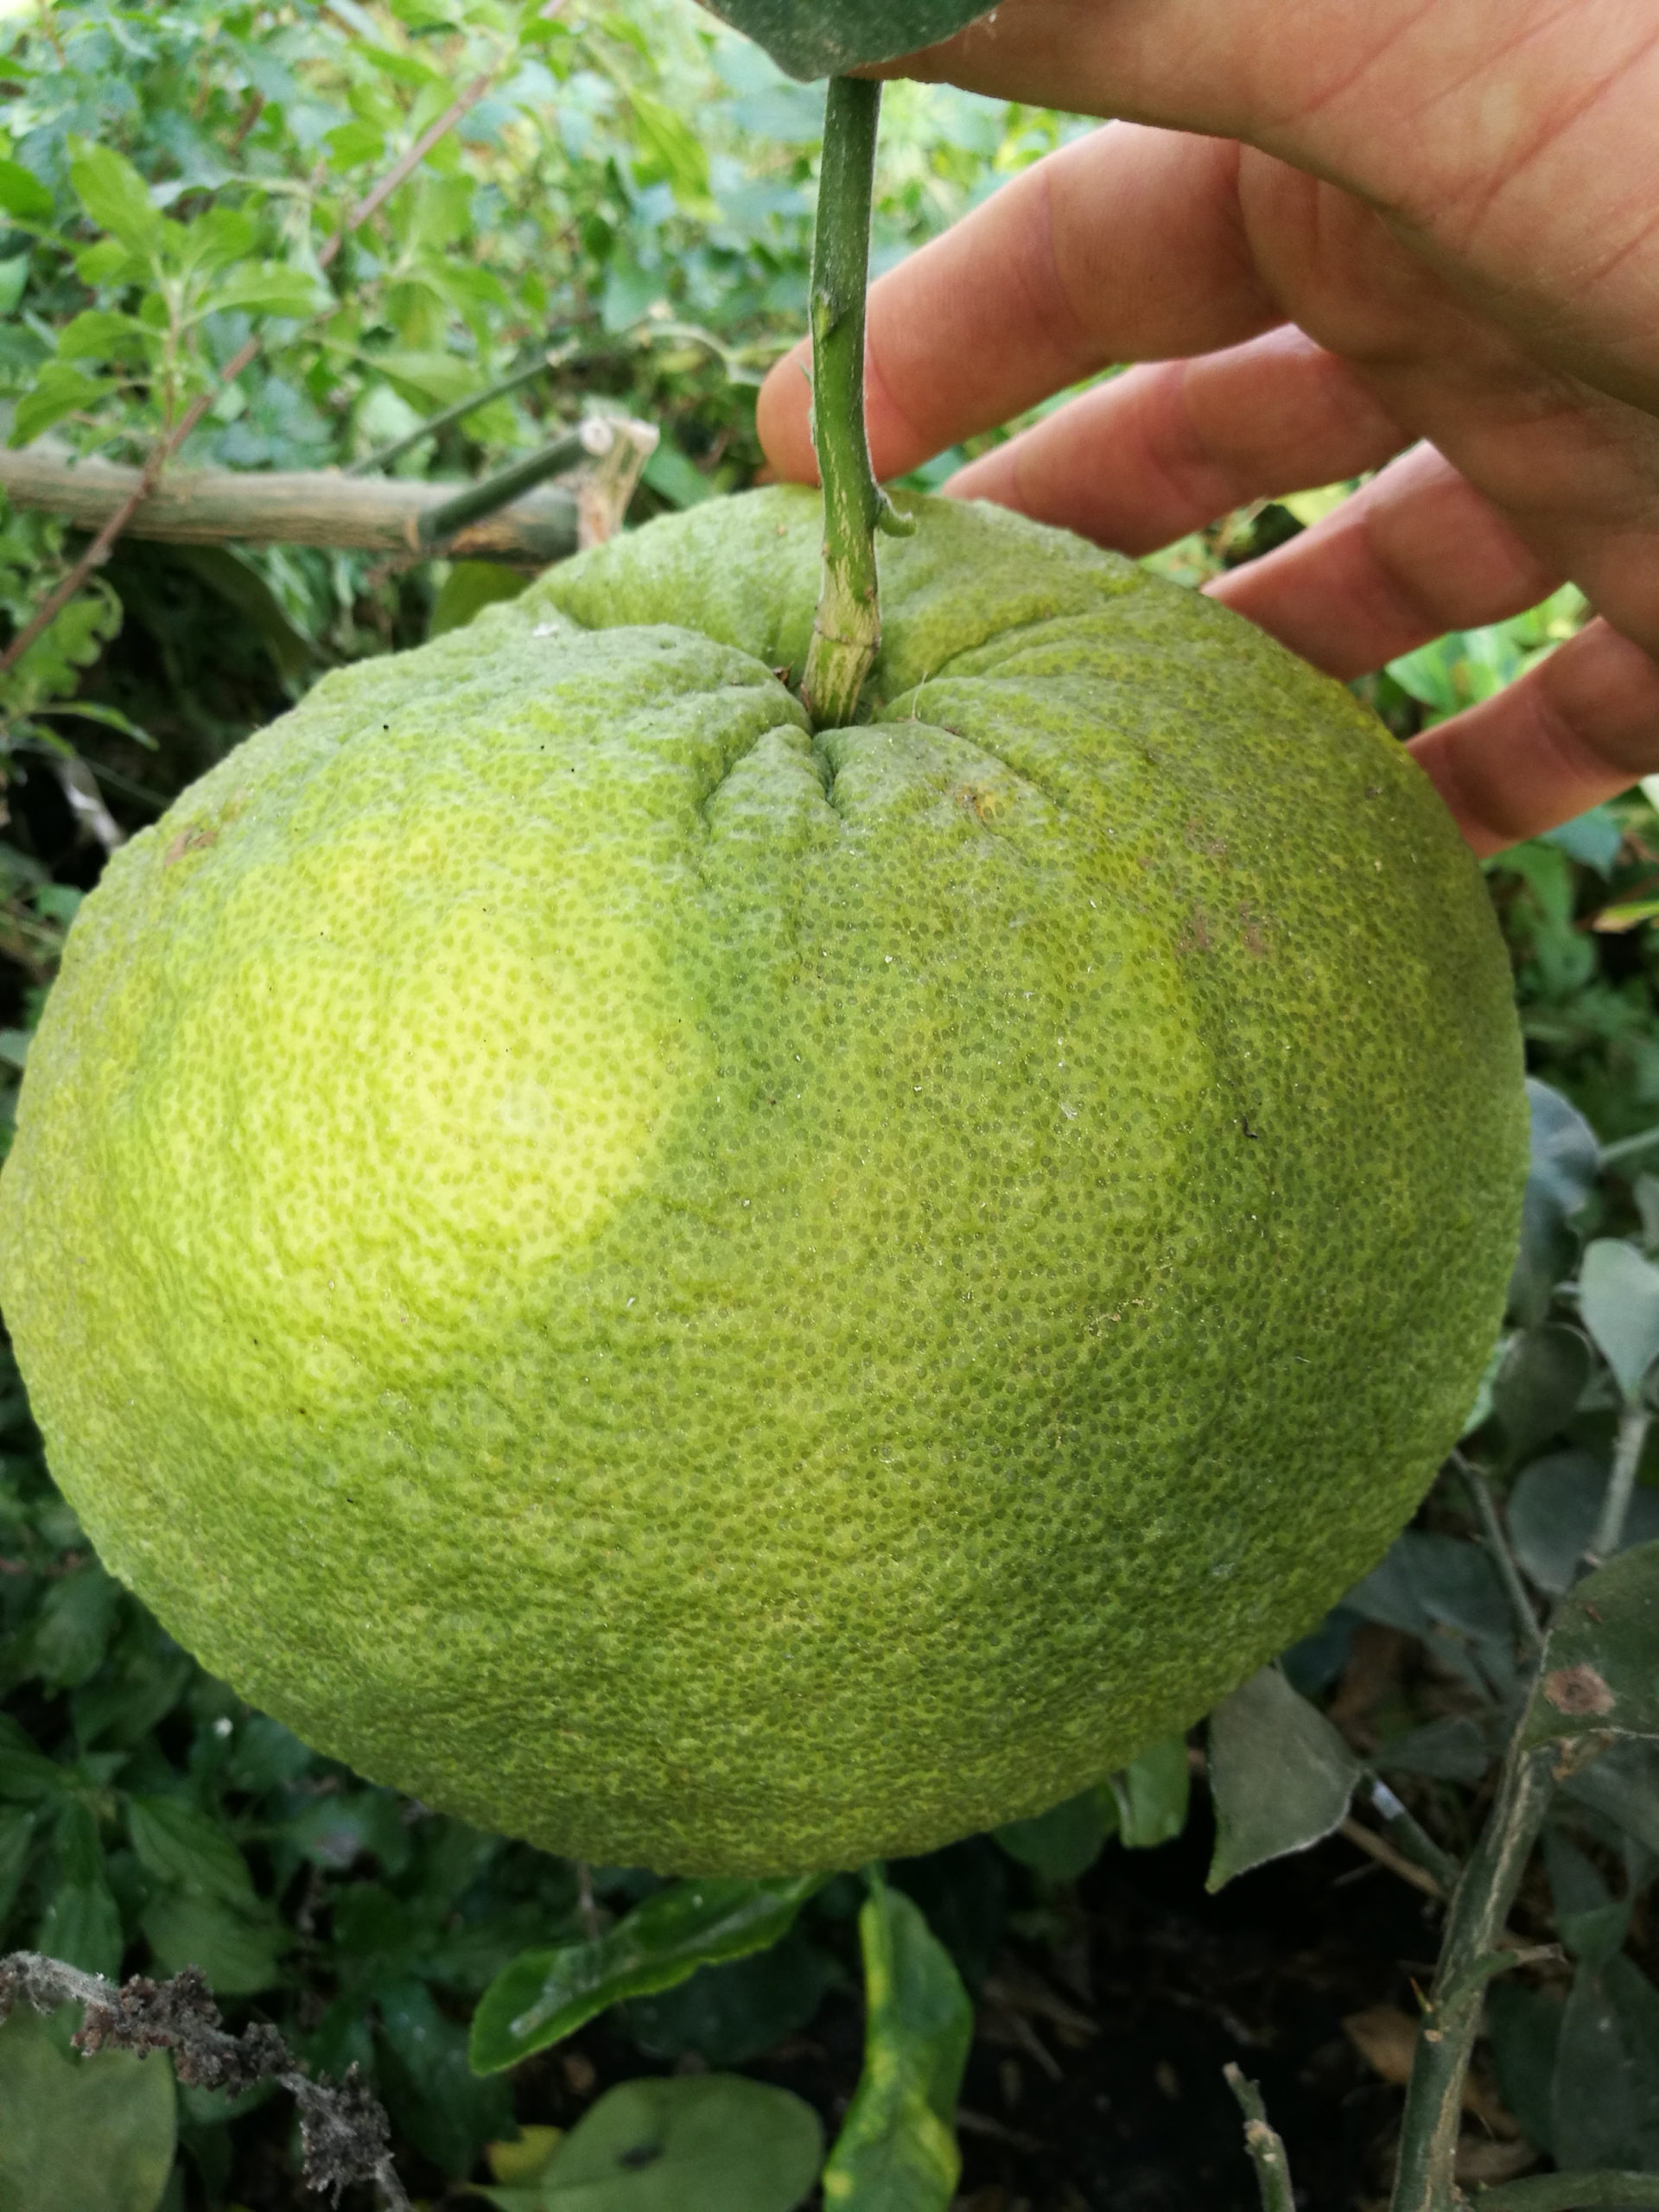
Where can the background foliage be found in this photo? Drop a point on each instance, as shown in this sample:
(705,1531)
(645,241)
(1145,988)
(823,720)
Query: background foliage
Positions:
(625,211)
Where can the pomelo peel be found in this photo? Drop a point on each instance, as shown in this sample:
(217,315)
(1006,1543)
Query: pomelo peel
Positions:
(734,1302)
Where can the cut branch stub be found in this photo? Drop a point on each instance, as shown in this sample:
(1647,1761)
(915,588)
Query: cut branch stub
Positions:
(847,628)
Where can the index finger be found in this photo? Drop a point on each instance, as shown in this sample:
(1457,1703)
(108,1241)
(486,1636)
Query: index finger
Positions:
(1127,245)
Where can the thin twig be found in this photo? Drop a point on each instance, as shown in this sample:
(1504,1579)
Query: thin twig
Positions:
(1633,1425)
(587,1910)
(408,163)
(1629,1147)
(343,2130)
(372,464)
(1385,1855)
(1569,2192)
(1498,1545)
(1267,2151)
(1412,1840)
(173,437)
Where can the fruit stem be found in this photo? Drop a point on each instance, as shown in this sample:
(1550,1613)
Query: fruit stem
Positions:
(847,628)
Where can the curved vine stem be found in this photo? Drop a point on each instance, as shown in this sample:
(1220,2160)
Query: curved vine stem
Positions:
(847,628)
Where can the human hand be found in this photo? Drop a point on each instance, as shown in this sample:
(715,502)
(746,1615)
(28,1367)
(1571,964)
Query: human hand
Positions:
(1340,236)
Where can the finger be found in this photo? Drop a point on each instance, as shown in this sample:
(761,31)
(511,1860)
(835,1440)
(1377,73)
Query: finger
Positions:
(1165,449)
(1415,553)
(1578,729)
(1126,245)
(1574,469)
(1479,127)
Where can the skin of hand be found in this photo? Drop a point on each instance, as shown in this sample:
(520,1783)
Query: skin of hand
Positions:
(1417,237)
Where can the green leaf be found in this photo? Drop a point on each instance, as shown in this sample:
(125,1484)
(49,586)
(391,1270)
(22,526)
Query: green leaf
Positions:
(1621,1784)
(239,1951)
(1065,1842)
(93,2134)
(544,1995)
(353,143)
(1536,1390)
(1447,1591)
(69,1630)
(676,478)
(58,390)
(99,335)
(469,588)
(26,1773)
(18,1828)
(233,578)
(897,2150)
(23,194)
(673,153)
(270,290)
(1152,1794)
(443,376)
(1591,1922)
(1565,1160)
(1525,2028)
(81,1924)
(1553,1512)
(93,710)
(811,39)
(437,2100)
(1604,2097)
(219,237)
(116,199)
(1279,1776)
(107,262)
(702,2143)
(732,2013)
(338,1830)
(266,1754)
(1618,1297)
(14,278)
(1456,1748)
(1599,1679)
(177,1843)
(1593,838)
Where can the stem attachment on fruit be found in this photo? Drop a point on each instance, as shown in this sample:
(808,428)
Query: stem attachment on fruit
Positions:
(847,628)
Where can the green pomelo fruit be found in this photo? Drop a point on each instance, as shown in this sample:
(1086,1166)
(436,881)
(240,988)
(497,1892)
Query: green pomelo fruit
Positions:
(730,1302)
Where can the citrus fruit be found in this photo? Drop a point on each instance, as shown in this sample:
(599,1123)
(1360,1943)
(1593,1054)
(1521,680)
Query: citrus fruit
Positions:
(736,1301)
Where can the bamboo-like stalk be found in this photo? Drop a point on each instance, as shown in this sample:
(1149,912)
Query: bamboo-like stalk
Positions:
(208,506)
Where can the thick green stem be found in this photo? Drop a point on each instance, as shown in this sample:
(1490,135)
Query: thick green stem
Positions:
(847,628)
(1468,1957)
